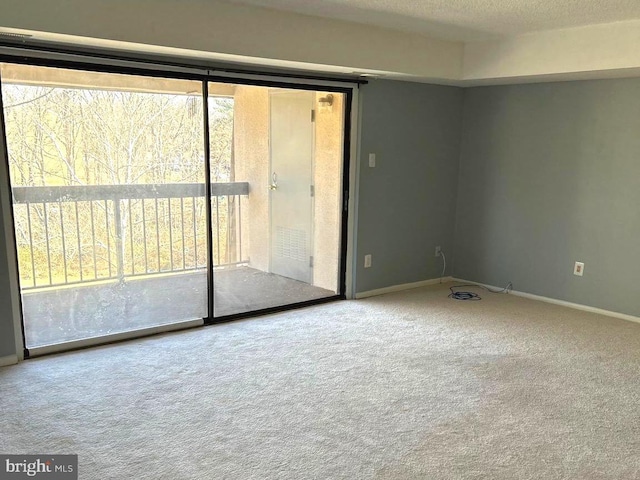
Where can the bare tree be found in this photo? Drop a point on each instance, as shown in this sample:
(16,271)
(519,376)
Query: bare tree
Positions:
(79,136)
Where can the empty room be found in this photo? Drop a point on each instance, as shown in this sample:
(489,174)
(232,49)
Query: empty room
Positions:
(291,239)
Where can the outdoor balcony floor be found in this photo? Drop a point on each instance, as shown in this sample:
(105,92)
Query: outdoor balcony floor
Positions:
(62,314)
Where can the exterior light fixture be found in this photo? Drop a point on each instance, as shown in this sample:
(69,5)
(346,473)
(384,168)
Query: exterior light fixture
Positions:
(326,102)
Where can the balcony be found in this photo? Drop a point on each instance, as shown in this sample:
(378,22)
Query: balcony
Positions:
(135,250)
(97,260)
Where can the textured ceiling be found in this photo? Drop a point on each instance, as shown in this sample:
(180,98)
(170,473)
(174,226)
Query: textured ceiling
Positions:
(464,19)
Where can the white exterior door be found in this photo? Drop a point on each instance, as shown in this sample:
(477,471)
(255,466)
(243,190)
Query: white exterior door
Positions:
(291,184)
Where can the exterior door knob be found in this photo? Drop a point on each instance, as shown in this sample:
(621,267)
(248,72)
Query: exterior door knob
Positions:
(274,182)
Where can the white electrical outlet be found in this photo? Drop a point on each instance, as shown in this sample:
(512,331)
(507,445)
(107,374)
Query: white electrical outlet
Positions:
(438,251)
(367,261)
(578,269)
(372,160)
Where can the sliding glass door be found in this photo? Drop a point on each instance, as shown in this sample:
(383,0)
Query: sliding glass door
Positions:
(107,173)
(110,174)
(277,204)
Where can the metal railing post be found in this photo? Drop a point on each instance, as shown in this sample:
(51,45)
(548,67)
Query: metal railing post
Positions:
(119,243)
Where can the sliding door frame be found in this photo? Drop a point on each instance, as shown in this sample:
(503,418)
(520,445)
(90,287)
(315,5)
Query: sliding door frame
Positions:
(6,209)
(117,64)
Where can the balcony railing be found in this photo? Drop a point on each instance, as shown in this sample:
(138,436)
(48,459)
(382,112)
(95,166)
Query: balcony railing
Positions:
(76,234)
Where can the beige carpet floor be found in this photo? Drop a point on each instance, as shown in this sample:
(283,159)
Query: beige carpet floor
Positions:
(403,386)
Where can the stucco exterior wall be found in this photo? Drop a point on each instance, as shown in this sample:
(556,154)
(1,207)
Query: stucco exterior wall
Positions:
(251,152)
(327,179)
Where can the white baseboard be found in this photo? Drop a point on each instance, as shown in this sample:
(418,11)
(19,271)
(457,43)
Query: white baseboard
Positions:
(399,288)
(8,360)
(576,306)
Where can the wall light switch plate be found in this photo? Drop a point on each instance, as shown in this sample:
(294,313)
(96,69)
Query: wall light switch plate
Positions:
(372,160)
(578,269)
(367,261)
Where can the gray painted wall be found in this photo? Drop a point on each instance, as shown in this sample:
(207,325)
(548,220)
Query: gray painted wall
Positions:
(7,332)
(550,175)
(406,204)
(7,337)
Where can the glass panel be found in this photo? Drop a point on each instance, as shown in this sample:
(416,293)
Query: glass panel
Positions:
(108,184)
(276,196)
